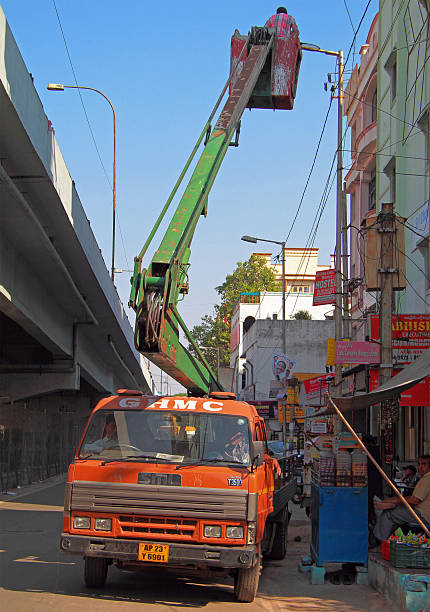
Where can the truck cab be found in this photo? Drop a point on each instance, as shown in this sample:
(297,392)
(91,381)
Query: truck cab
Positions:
(181,482)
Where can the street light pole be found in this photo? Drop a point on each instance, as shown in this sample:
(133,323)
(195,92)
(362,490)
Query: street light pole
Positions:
(61,87)
(282,244)
(284,339)
(340,216)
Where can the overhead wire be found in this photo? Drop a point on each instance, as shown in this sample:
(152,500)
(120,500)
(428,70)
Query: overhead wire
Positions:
(89,123)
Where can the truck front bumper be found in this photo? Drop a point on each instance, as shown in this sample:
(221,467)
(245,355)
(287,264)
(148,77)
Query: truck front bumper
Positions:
(179,554)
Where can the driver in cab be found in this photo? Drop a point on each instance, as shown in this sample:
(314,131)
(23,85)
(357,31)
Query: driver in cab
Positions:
(109,437)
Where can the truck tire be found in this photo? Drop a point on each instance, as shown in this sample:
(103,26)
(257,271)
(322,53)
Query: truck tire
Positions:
(279,546)
(246,583)
(95,571)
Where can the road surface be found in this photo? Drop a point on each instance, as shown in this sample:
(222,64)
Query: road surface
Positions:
(35,576)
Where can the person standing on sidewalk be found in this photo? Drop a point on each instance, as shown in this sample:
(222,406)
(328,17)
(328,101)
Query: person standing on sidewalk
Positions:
(394,512)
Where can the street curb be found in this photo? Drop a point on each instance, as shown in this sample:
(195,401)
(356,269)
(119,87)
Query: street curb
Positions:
(34,487)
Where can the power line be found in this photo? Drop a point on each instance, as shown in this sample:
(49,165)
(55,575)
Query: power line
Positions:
(80,95)
(311,170)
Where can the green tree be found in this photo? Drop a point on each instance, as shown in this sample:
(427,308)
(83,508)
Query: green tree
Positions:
(303,314)
(214,331)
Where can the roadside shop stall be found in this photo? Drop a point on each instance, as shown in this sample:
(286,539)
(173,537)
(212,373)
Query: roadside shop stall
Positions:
(339,506)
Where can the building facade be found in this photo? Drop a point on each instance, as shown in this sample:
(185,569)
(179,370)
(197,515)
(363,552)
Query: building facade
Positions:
(360,182)
(402,169)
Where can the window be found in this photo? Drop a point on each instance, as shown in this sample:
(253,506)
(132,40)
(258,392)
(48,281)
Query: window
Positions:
(394,81)
(372,190)
(392,177)
(390,172)
(374,106)
(391,69)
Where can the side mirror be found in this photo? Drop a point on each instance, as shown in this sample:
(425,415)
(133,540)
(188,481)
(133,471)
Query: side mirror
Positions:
(258,449)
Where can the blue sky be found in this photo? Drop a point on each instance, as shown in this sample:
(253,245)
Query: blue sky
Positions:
(163,68)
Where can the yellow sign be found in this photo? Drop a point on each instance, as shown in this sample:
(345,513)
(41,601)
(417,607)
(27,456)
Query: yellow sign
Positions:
(299,413)
(330,352)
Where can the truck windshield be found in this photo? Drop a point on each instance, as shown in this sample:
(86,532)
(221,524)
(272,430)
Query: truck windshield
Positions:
(177,437)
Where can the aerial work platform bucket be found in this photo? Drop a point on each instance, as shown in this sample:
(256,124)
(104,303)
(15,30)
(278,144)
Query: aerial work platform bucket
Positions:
(277,83)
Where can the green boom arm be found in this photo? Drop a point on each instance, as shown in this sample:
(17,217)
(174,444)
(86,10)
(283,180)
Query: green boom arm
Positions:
(156,291)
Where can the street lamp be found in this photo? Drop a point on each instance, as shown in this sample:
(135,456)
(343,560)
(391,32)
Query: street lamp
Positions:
(282,244)
(61,87)
(338,318)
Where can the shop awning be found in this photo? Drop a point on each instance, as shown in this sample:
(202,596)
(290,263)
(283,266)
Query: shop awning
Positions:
(408,377)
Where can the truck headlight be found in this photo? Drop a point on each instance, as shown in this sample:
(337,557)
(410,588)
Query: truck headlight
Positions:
(251,533)
(234,532)
(212,531)
(103,524)
(81,522)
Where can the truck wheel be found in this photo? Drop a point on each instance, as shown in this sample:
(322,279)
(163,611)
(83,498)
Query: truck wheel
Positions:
(95,571)
(279,546)
(246,583)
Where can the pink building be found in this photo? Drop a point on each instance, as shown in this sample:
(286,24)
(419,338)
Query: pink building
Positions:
(360,110)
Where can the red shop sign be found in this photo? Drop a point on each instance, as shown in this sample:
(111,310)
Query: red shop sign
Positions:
(325,288)
(418,395)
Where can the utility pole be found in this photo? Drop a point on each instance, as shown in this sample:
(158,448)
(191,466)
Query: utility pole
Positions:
(387,229)
(338,318)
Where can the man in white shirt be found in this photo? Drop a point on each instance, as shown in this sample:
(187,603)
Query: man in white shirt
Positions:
(395,512)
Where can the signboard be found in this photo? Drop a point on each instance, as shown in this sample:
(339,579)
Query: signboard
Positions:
(299,413)
(325,288)
(319,427)
(265,409)
(315,389)
(411,335)
(418,395)
(330,352)
(282,367)
(356,352)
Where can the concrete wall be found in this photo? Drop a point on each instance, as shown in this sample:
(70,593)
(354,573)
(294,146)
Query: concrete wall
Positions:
(306,345)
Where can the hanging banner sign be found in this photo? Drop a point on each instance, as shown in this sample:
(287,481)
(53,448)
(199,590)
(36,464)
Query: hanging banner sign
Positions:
(356,352)
(315,389)
(325,288)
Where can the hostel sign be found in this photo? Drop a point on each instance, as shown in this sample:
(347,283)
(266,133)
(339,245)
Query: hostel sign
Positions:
(325,288)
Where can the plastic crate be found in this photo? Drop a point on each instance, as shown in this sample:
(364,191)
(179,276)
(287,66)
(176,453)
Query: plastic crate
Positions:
(386,549)
(403,555)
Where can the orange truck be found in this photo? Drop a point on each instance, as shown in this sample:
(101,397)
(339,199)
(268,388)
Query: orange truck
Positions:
(183,483)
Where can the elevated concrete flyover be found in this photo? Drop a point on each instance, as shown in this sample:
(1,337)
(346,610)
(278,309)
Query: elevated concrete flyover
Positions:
(63,329)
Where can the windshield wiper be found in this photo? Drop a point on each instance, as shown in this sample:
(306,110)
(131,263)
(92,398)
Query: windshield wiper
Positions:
(131,458)
(212,460)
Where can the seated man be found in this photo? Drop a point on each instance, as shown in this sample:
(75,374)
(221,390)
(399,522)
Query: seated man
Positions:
(395,512)
(409,479)
(237,447)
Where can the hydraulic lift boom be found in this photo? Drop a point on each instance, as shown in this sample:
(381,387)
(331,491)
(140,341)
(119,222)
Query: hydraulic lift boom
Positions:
(156,290)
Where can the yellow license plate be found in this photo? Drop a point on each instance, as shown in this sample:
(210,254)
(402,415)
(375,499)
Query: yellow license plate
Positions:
(155,553)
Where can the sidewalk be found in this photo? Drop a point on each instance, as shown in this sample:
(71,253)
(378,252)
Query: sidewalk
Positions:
(13,494)
(292,590)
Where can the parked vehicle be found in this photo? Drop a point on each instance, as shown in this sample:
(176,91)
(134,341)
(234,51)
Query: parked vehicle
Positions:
(185,483)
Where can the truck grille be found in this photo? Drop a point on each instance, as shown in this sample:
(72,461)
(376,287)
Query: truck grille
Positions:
(167,501)
(158,527)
